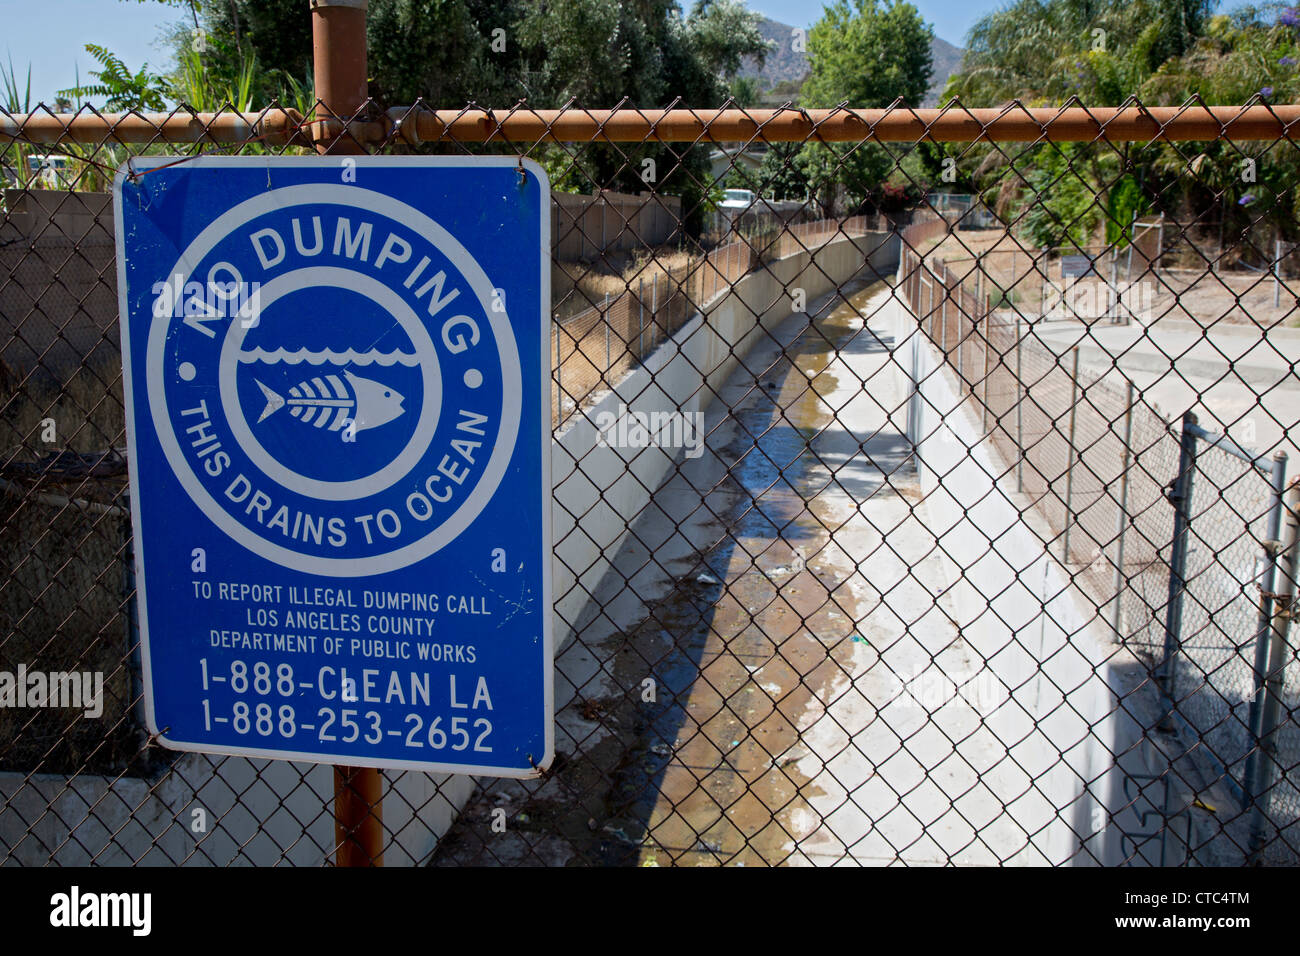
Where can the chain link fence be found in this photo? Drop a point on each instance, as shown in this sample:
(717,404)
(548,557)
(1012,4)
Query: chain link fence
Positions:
(873,541)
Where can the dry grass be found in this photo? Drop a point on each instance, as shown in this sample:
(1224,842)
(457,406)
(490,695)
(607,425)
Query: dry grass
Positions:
(578,286)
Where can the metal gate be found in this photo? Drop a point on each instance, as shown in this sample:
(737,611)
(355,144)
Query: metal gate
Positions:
(881,536)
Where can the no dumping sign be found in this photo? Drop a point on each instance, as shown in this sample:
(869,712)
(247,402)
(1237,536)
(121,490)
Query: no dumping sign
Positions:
(338,418)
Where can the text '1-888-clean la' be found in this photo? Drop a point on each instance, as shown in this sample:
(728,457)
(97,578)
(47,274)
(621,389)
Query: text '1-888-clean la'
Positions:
(262,694)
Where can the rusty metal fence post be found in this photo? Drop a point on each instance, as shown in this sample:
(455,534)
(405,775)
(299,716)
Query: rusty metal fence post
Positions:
(988,355)
(1022,392)
(340,72)
(654,306)
(559,380)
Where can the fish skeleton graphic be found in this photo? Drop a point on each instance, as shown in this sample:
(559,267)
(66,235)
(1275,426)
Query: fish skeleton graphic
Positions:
(329,401)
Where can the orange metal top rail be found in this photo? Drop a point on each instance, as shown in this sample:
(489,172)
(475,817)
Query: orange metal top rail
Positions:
(414,125)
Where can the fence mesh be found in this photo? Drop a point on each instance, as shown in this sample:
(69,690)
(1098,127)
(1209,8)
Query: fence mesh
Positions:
(898,574)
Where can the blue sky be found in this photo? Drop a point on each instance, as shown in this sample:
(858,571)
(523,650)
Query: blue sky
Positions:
(951,18)
(51,35)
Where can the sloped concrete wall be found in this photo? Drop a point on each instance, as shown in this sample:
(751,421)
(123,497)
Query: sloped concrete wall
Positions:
(1062,724)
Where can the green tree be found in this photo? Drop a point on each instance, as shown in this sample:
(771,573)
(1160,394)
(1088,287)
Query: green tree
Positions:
(599,52)
(780,175)
(845,178)
(1125,203)
(1043,51)
(594,51)
(745,91)
(869,53)
(1164,52)
(437,49)
(1064,212)
(724,32)
(495,52)
(448,52)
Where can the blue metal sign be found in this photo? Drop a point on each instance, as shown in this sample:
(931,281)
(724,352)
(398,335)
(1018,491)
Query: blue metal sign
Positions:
(338,415)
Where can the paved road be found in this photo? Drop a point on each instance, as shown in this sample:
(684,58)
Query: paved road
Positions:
(1234,377)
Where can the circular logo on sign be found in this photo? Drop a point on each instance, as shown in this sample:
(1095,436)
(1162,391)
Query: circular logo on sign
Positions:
(333,379)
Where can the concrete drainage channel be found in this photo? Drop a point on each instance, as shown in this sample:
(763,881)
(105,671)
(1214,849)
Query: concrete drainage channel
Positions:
(793,597)
(781,590)
(692,602)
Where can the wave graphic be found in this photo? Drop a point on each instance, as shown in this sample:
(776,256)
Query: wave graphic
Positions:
(349,357)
